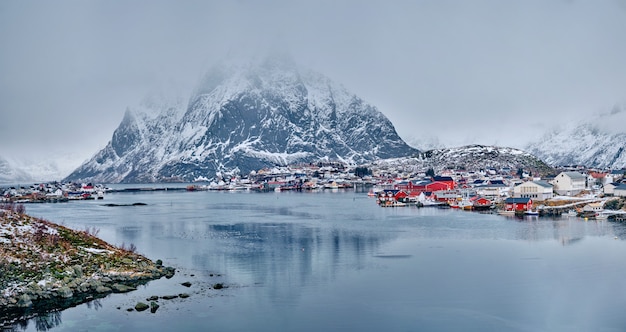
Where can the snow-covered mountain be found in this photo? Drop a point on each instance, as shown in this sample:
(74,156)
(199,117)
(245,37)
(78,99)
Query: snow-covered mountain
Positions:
(10,174)
(472,158)
(596,142)
(242,118)
(425,142)
(48,167)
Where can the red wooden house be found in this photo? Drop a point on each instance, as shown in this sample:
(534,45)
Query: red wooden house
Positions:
(518,204)
(412,187)
(437,186)
(449,181)
(481,203)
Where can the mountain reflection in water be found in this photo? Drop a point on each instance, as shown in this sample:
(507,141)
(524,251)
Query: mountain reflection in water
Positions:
(337,261)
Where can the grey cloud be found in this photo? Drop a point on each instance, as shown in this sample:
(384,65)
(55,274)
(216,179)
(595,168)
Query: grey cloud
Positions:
(435,68)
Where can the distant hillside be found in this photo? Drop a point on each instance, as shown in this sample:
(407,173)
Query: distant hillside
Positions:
(47,167)
(476,158)
(596,142)
(10,174)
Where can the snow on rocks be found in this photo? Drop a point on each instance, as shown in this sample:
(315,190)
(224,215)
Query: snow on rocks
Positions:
(49,267)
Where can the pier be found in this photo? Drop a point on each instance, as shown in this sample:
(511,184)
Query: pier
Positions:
(558,210)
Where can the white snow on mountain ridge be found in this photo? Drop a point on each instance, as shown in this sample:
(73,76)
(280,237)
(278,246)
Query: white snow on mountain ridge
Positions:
(595,142)
(243,117)
(49,167)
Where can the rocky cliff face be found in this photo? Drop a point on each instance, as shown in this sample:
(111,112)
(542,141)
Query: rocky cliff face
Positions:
(243,118)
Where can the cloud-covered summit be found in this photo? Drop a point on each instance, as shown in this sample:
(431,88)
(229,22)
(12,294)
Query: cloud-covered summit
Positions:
(242,118)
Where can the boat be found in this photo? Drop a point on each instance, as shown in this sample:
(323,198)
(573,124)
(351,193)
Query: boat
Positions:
(506,212)
(530,212)
(393,204)
(570,213)
(602,216)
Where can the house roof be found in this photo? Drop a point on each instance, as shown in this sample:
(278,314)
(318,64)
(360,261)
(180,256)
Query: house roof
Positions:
(597,175)
(499,185)
(543,183)
(575,175)
(523,200)
(496,182)
(621,187)
(442,178)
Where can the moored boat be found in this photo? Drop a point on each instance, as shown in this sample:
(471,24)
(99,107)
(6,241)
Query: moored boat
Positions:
(506,212)
(531,212)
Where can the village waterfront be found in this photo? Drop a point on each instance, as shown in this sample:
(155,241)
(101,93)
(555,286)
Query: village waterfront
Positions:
(334,260)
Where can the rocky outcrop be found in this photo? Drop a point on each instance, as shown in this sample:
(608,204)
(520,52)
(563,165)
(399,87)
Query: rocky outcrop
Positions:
(49,267)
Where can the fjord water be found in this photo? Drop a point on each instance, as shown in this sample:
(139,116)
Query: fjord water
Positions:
(335,261)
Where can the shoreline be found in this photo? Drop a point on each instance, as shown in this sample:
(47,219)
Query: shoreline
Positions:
(48,267)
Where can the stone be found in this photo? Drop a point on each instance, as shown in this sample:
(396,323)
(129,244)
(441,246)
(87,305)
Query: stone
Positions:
(103,289)
(153,307)
(152,298)
(169,272)
(183,295)
(186,284)
(65,292)
(121,288)
(78,271)
(169,297)
(140,306)
(24,301)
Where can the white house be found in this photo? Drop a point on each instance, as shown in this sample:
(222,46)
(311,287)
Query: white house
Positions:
(537,190)
(569,183)
(618,174)
(492,191)
(620,190)
(609,189)
(594,207)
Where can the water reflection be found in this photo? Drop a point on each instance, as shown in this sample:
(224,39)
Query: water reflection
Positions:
(43,322)
(279,254)
(300,257)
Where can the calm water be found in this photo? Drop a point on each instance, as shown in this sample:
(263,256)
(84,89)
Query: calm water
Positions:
(337,262)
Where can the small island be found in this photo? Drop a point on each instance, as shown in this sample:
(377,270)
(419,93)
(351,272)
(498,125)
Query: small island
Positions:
(48,267)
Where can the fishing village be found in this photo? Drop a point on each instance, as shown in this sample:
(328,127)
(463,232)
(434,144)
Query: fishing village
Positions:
(574,191)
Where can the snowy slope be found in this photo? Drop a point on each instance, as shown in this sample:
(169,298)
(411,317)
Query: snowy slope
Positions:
(472,158)
(242,118)
(597,142)
(11,174)
(49,167)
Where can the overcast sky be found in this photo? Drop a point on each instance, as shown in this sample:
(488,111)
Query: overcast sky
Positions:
(490,72)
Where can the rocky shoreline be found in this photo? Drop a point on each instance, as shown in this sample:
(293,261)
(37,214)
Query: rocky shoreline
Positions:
(48,267)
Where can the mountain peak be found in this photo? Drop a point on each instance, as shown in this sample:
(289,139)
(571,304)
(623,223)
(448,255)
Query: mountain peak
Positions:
(598,141)
(243,117)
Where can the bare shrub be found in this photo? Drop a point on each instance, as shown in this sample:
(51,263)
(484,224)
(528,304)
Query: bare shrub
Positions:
(93,231)
(131,247)
(19,208)
(40,232)
(9,206)
(53,240)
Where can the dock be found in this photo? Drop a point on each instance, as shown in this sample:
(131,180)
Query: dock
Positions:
(558,210)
